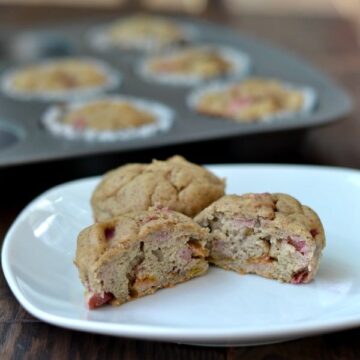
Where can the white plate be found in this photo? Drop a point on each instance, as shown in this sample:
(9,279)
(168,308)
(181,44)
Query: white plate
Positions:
(221,308)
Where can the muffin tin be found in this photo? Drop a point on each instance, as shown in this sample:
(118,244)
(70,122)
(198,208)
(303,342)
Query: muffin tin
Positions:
(23,139)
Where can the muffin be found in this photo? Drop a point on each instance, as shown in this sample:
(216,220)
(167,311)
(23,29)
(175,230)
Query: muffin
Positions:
(108,118)
(60,79)
(175,183)
(140,32)
(136,254)
(190,65)
(252,100)
(271,235)
(107,115)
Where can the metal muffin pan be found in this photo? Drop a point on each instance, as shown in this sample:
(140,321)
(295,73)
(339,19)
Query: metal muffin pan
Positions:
(24,140)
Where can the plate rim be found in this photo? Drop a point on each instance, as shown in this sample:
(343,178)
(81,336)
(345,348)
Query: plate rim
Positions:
(166,333)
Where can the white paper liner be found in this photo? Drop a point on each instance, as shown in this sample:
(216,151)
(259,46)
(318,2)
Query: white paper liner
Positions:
(113,80)
(240,66)
(308,93)
(163,121)
(99,39)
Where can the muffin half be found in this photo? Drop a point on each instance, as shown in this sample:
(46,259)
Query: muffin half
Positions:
(271,235)
(136,254)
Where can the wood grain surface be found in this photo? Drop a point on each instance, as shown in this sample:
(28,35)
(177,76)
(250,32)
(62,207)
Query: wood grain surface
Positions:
(329,43)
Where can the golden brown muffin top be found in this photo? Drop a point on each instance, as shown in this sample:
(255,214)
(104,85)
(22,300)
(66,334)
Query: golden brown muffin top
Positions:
(251,100)
(56,75)
(140,27)
(104,115)
(174,183)
(205,62)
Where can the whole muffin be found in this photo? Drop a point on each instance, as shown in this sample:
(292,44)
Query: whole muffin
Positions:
(59,79)
(59,75)
(136,254)
(252,100)
(142,32)
(103,115)
(271,235)
(175,183)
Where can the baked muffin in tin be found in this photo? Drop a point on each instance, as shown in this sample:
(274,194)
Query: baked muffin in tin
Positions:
(108,118)
(191,65)
(140,32)
(253,99)
(60,79)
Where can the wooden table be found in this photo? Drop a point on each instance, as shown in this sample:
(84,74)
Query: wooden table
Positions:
(329,43)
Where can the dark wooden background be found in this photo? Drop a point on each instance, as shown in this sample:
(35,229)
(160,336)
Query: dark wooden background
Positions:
(329,43)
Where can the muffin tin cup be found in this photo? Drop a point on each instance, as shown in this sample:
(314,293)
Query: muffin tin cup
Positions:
(163,121)
(99,40)
(240,63)
(113,80)
(309,100)
(10,135)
